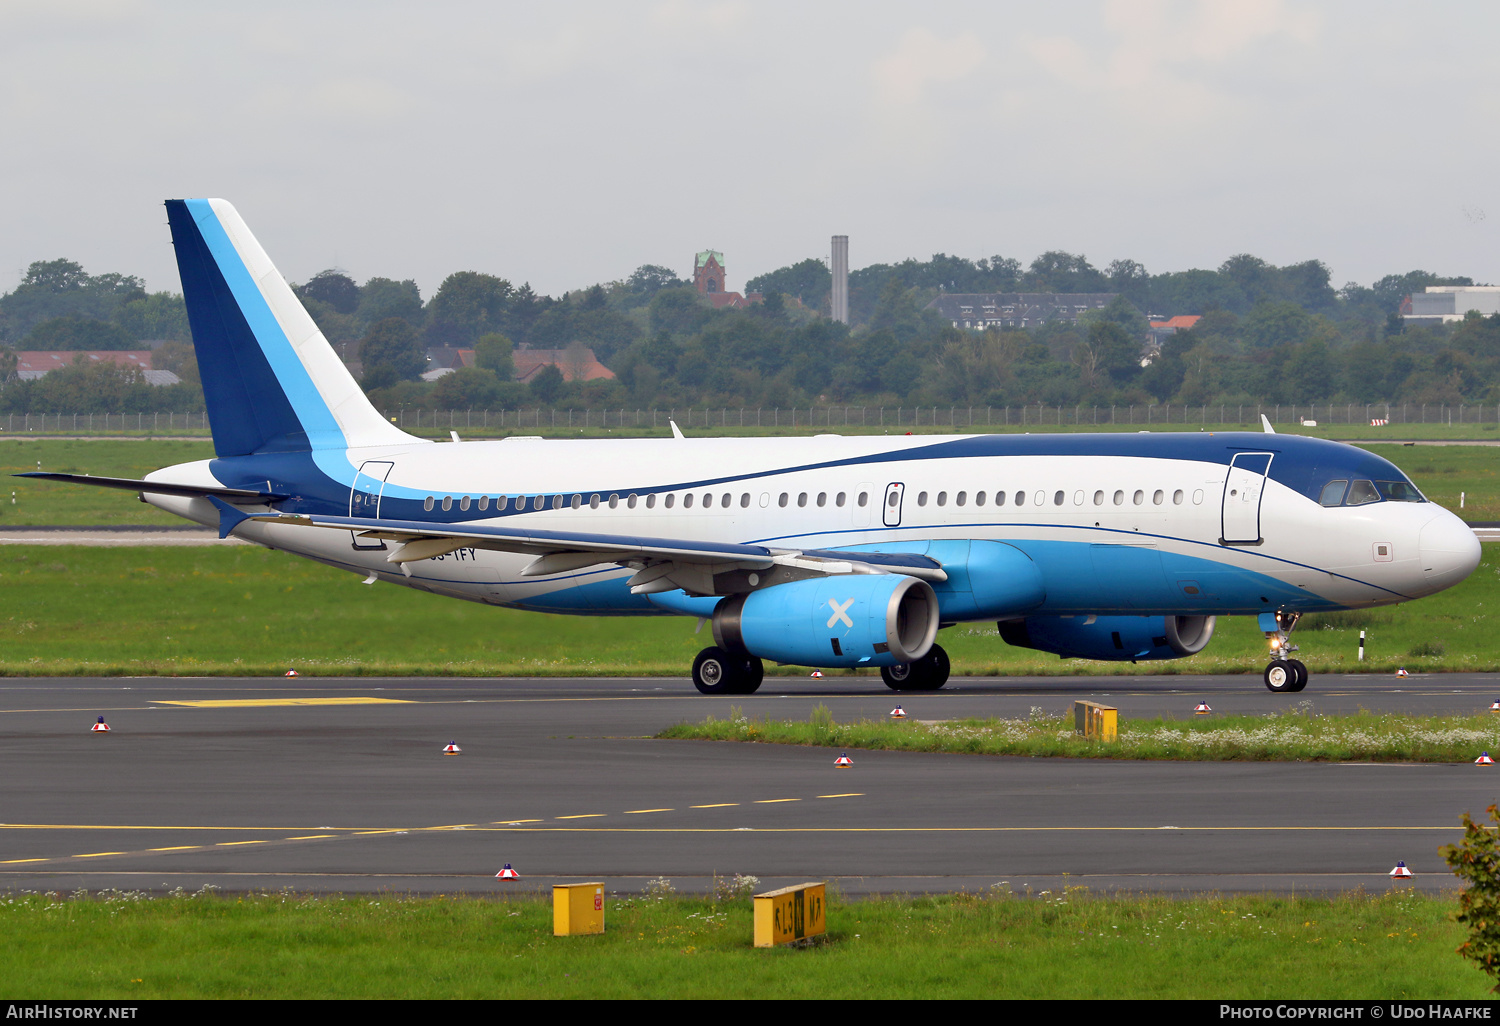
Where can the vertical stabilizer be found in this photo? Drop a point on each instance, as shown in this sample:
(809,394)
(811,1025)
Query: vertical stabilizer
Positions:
(271,380)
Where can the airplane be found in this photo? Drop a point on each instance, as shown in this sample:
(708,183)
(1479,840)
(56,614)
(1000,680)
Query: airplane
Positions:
(825,552)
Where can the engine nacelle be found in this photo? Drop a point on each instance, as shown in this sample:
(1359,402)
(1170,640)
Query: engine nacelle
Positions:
(849,620)
(1112,638)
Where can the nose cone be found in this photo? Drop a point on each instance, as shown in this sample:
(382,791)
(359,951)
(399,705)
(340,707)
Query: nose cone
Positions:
(1449,551)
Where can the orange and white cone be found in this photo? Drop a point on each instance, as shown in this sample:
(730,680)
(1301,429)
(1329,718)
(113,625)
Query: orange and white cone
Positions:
(1201,709)
(101,727)
(1401,872)
(1495,707)
(817,675)
(507,873)
(291,673)
(843,761)
(452,748)
(1484,760)
(1402,672)
(898,713)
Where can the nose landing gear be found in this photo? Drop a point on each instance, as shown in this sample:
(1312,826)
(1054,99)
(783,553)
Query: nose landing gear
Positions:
(1283,675)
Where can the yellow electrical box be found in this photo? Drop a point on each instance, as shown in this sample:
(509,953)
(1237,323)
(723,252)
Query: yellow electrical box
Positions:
(1100,722)
(789,914)
(577,909)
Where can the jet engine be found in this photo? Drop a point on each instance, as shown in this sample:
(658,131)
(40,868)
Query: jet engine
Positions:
(1112,638)
(847,620)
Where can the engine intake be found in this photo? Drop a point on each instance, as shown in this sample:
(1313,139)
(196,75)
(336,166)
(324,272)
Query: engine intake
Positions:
(849,620)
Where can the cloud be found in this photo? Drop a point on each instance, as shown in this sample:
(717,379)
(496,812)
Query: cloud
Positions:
(920,60)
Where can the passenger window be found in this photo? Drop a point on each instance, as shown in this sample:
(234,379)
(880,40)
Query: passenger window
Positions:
(427,504)
(1138,497)
(1157,497)
(839,499)
(782,501)
(687,501)
(538,502)
(864,497)
(614,500)
(708,500)
(447,503)
(463,503)
(999,498)
(1333,493)
(822,498)
(484,503)
(1020,498)
(1057,498)
(979,498)
(577,501)
(1361,492)
(557,502)
(502,502)
(1198,497)
(726,500)
(960,498)
(651,501)
(1099,498)
(670,500)
(630,500)
(1119,498)
(745,500)
(594,501)
(1078,498)
(801,499)
(921,498)
(1177,497)
(1039,499)
(942,499)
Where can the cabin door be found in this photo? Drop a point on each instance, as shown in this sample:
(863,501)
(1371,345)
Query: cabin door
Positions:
(364,499)
(1243,487)
(891,508)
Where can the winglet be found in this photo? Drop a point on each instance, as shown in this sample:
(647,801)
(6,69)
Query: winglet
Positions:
(676,431)
(1265,422)
(230,517)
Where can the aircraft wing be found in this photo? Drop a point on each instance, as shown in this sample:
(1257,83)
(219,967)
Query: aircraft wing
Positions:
(661,564)
(240,495)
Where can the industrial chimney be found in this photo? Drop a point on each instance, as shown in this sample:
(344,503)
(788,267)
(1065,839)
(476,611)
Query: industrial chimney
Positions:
(839,301)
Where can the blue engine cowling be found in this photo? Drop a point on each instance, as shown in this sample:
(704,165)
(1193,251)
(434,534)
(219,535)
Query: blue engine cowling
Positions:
(849,620)
(1112,638)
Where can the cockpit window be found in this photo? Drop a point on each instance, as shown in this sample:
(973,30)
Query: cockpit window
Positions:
(1361,492)
(1399,491)
(1333,493)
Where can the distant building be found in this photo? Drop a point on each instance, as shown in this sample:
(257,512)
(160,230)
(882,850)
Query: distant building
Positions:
(1441,304)
(708,279)
(33,365)
(1160,330)
(577,363)
(977,311)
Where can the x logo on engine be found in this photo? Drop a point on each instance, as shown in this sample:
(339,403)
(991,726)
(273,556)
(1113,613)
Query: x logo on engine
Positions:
(840,612)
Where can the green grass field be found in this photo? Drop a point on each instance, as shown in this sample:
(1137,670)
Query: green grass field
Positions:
(118,946)
(76,610)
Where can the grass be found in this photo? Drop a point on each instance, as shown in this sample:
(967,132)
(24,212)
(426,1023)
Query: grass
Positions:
(1442,472)
(1071,944)
(236,610)
(1295,735)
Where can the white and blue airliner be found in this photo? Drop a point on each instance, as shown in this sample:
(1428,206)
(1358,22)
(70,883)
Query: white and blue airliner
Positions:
(823,552)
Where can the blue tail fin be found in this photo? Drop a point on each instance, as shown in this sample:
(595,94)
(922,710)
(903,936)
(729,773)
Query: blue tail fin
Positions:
(271,380)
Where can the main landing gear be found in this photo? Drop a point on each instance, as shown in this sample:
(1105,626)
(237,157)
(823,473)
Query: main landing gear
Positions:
(1283,675)
(926,674)
(717,672)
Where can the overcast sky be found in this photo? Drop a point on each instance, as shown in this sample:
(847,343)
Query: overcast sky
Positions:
(568,143)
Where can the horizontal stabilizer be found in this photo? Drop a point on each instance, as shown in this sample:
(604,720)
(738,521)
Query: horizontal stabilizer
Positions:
(244,496)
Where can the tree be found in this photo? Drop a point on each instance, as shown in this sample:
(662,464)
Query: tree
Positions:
(1276,324)
(1056,271)
(809,280)
(7,365)
(468,304)
(547,385)
(646,281)
(1476,861)
(177,357)
(384,297)
(392,344)
(61,288)
(468,388)
(494,352)
(159,315)
(72,333)
(333,287)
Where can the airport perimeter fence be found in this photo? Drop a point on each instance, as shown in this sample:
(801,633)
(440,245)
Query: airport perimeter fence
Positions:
(829,417)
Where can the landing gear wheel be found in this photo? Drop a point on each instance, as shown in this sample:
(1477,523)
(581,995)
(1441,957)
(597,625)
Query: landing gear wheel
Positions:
(1300,669)
(926,674)
(1281,678)
(716,672)
(752,672)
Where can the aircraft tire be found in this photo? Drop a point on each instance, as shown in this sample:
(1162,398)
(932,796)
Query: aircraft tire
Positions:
(752,673)
(935,668)
(1280,677)
(716,672)
(1299,668)
(898,677)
